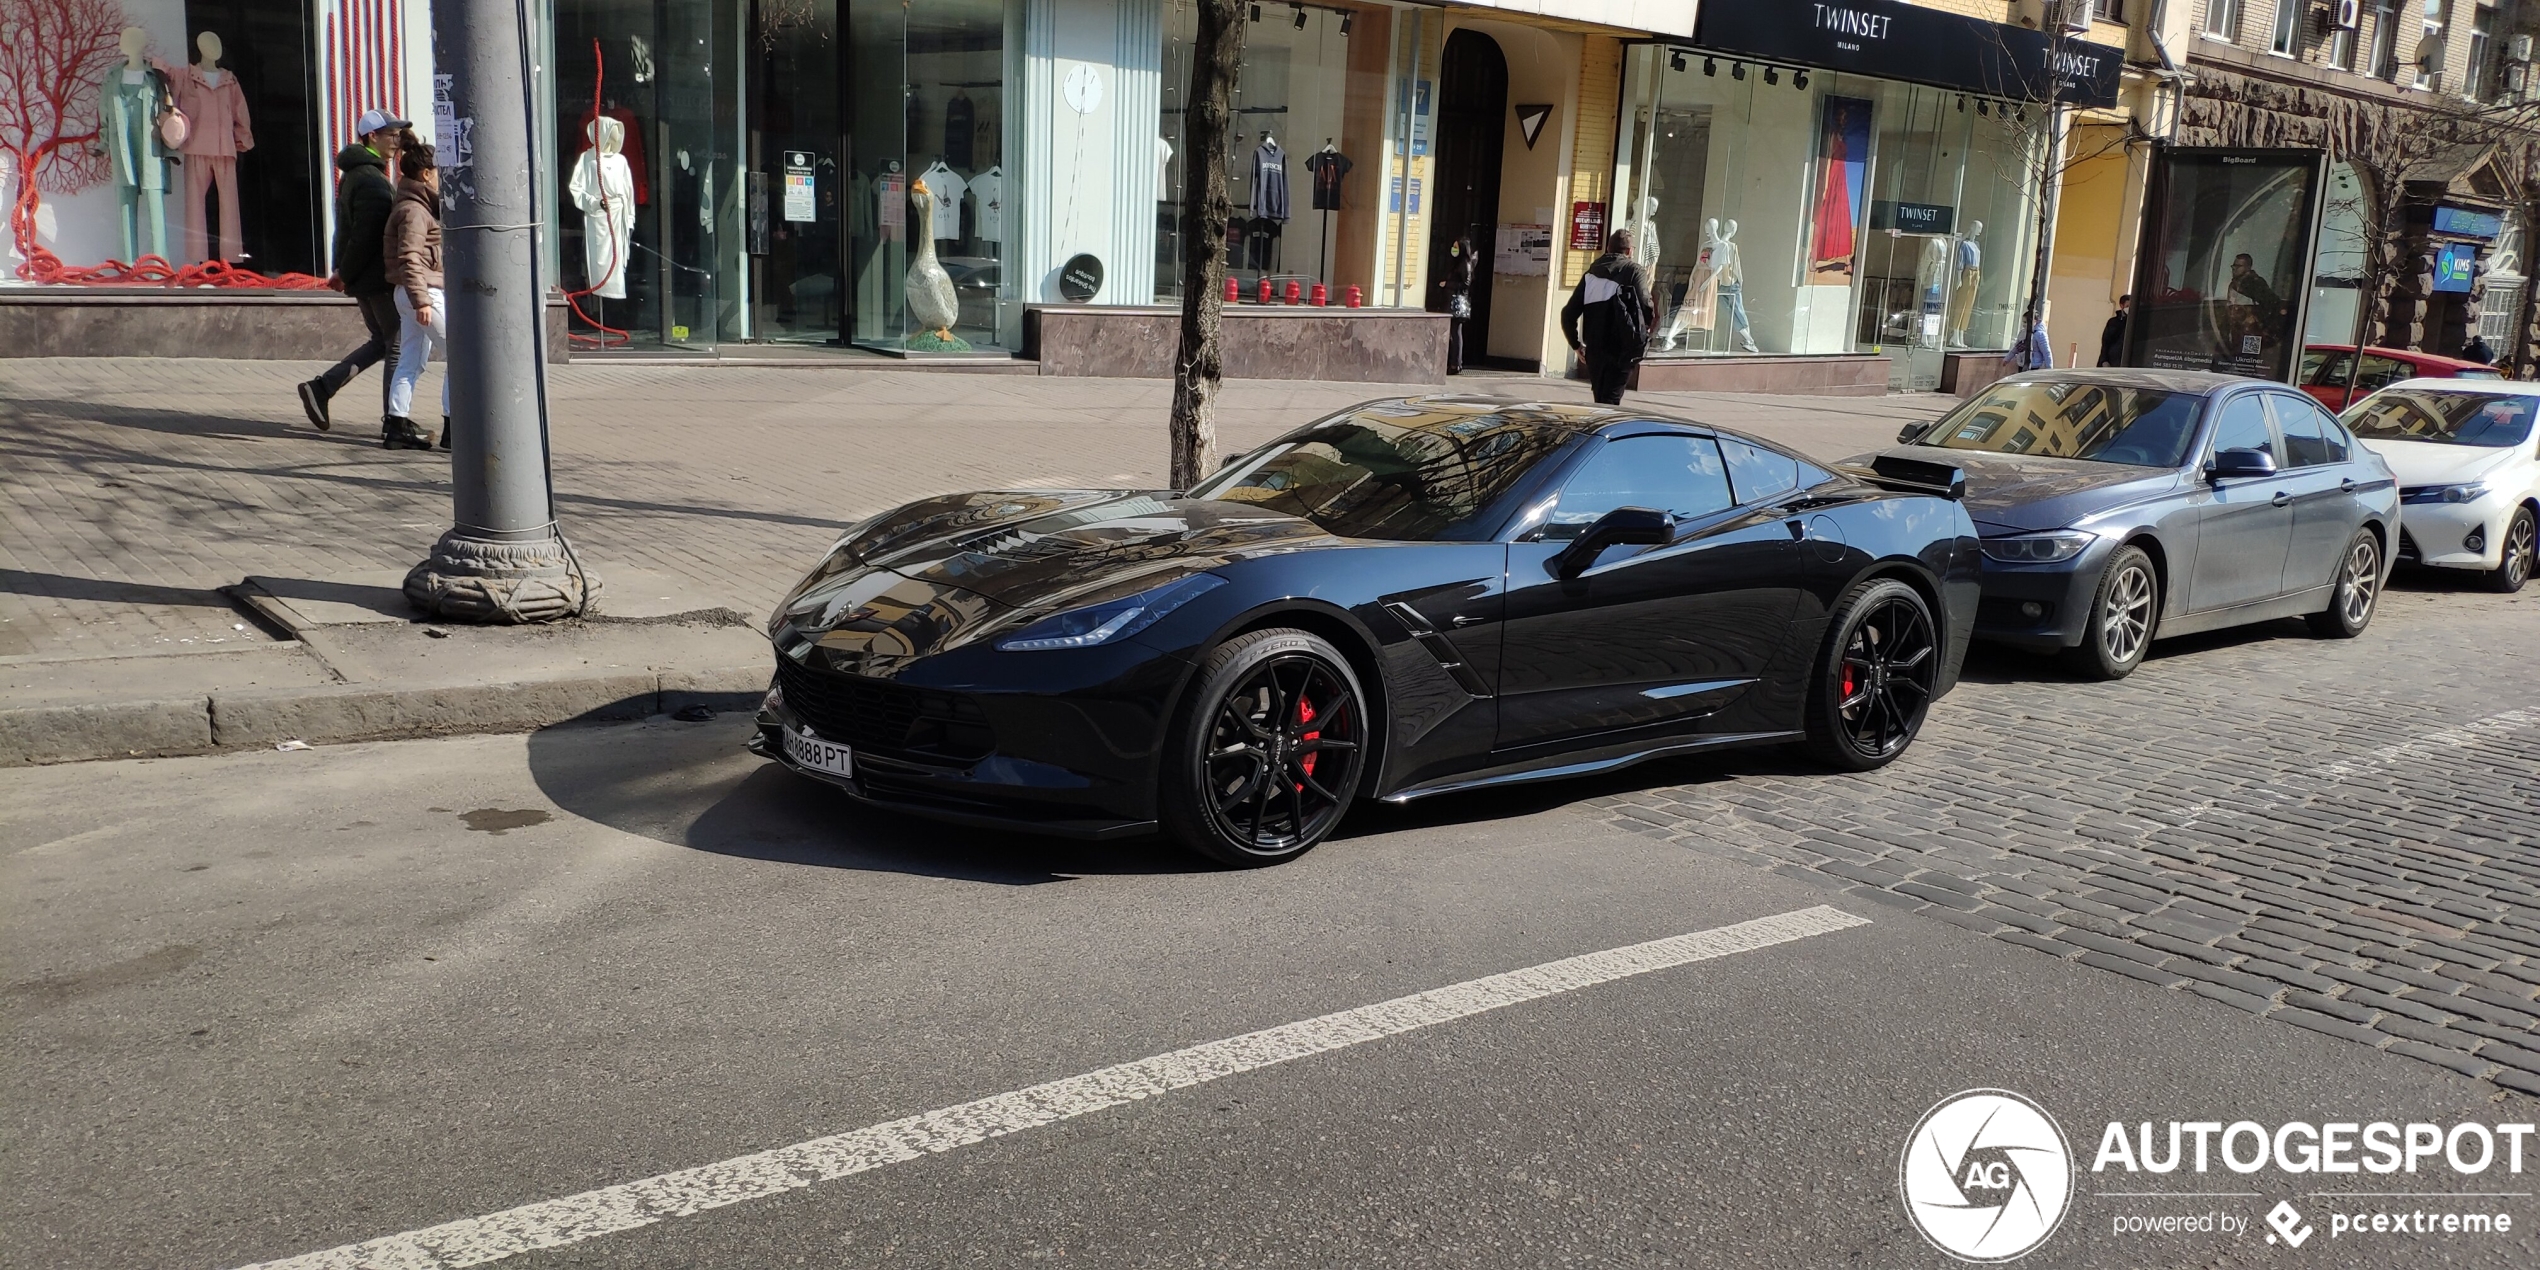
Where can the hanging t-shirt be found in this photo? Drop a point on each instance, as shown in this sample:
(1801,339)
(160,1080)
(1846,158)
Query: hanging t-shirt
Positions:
(1328,167)
(944,189)
(1269,181)
(959,115)
(987,197)
(1163,168)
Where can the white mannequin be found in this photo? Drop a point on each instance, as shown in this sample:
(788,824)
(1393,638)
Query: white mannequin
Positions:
(1718,280)
(603,188)
(1968,274)
(128,105)
(1931,291)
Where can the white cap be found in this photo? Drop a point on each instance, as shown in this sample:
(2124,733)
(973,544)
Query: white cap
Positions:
(375,120)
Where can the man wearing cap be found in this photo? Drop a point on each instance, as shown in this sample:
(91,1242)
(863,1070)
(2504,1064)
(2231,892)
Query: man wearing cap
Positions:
(363,195)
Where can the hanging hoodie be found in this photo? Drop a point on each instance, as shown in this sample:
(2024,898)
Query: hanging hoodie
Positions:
(1269,181)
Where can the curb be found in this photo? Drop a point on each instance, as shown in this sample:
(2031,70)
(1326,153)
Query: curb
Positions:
(260,718)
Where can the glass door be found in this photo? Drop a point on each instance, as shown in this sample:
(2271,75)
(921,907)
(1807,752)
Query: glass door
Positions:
(796,178)
(1915,293)
(932,200)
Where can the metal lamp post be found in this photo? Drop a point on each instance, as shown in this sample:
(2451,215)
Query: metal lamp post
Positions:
(503,559)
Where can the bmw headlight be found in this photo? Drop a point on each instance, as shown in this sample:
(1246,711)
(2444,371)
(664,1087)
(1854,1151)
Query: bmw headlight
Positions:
(2469,493)
(1110,620)
(2049,548)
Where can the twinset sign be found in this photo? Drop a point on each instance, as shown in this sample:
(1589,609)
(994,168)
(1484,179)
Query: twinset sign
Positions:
(1893,40)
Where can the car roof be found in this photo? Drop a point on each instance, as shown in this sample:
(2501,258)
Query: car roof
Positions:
(1438,410)
(2490,387)
(2195,381)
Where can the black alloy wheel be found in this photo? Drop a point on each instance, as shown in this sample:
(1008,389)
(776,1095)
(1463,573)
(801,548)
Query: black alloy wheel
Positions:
(2358,588)
(1876,679)
(2516,568)
(1268,751)
(2125,609)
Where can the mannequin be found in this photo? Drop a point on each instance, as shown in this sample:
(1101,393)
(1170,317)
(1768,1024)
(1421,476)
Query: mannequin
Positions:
(1931,287)
(216,108)
(1716,278)
(129,104)
(1645,258)
(603,187)
(1269,203)
(1962,292)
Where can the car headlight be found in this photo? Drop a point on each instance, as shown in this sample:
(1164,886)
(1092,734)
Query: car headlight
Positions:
(1110,620)
(2063,544)
(2469,493)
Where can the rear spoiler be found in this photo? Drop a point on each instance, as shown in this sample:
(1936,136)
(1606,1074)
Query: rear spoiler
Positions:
(1918,476)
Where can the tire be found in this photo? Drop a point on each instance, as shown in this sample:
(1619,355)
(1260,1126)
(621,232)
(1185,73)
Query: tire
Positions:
(2125,613)
(2356,593)
(1242,722)
(2520,550)
(1874,680)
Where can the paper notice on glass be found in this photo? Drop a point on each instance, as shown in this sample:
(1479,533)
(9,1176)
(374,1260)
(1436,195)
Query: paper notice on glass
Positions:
(800,187)
(1523,250)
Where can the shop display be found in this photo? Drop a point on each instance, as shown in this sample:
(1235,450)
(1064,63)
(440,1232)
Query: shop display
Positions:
(217,131)
(603,190)
(132,105)
(1970,279)
(987,202)
(946,187)
(1269,180)
(933,304)
(1328,166)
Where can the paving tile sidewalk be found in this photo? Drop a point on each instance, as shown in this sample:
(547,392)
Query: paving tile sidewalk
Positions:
(130,489)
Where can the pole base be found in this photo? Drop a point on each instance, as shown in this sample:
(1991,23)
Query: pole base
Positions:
(501,583)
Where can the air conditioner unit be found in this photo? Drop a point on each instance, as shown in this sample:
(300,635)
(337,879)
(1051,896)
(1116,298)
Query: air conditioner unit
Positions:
(2518,48)
(2345,15)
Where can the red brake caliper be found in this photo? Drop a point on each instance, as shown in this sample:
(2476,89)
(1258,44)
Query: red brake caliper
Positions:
(1305,714)
(1847,681)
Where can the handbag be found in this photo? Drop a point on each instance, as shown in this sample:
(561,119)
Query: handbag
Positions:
(173,126)
(1459,306)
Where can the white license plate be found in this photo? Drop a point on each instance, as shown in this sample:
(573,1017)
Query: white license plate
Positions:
(820,756)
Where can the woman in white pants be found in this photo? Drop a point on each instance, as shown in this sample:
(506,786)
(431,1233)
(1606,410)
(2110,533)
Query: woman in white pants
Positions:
(413,252)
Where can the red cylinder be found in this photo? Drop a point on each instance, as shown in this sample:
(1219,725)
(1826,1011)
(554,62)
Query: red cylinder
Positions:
(1234,290)
(1296,291)
(1351,299)
(1321,297)
(1265,291)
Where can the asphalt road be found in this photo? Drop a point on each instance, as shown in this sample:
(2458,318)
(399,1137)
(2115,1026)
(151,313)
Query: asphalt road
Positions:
(268,1004)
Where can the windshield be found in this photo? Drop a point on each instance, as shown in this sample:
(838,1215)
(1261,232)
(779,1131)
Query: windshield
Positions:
(2490,419)
(2100,422)
(1366,476)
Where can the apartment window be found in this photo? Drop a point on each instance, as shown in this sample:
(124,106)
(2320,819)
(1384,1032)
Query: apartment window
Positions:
(2287,39)
(2438,20)
(2108,10)
(2341,46)
(2384,61)
(2222,19)
(2477,76)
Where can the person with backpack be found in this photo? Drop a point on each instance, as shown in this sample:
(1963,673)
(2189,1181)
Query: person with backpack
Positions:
(1607,319)
(362,196)
(413,248)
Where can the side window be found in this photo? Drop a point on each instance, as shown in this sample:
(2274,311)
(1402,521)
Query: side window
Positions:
(1677,474)
(2381,372)
(2324,369)
(1756,474)
(2311,438)
(2243,426)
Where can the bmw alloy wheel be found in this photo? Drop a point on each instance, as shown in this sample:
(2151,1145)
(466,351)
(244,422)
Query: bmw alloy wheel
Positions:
(2126,616)
(2358,586)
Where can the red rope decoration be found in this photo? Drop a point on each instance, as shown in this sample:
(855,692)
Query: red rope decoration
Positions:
(155,271)
(573,299)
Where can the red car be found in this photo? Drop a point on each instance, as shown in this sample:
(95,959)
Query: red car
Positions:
(2324,371)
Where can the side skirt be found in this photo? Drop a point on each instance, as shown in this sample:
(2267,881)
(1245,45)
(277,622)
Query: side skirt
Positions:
(1563,766)
(2294,605)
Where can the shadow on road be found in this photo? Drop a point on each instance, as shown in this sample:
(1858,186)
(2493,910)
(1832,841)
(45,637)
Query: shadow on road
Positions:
(692,785)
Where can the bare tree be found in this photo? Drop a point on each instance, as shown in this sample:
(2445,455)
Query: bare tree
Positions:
(1199,365)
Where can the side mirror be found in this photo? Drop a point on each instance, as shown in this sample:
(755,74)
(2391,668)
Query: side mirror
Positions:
(1913,432)
(1623,526)
(2239,465)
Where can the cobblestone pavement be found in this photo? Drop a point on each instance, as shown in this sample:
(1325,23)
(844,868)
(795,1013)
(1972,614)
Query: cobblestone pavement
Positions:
(2341,835)
(129,489)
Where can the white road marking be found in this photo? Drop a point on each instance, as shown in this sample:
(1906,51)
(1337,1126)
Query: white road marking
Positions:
(574,1218)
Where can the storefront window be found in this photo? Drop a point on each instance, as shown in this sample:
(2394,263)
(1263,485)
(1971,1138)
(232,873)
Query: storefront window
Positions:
(929,108)
(1313,156)
(796,184)
(1788,212)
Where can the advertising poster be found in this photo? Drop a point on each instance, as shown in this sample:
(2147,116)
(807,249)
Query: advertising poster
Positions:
(1523,250)
(2223,277)
(1587,226)
(1843,168)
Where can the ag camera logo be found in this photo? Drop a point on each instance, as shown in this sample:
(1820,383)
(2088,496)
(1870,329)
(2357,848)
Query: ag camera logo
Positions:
(1986,1175)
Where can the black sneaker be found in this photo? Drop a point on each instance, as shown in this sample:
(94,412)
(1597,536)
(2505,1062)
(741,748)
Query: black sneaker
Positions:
(402,434)
(313,397)
(445,432)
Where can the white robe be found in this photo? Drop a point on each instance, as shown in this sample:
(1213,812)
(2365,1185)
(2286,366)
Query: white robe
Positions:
(608,224)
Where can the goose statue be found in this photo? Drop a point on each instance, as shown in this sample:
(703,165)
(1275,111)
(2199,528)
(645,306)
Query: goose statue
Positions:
(932,302)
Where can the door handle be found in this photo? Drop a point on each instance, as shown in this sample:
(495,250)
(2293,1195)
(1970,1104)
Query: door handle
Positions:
(1461,620)
(2283,499)
(2349,485)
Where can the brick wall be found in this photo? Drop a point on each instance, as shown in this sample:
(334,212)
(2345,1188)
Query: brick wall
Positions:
(1592,152)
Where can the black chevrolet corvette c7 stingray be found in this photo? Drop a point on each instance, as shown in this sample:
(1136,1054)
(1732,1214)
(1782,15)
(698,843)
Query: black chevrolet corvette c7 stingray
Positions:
(1408,598)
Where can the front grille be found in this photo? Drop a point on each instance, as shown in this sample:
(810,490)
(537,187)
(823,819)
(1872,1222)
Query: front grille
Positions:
(2408,553)
(890,718)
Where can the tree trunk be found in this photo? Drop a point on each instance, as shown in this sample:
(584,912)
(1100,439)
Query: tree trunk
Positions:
(1200,363)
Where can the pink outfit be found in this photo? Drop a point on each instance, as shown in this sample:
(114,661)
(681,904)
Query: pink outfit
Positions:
(216,118)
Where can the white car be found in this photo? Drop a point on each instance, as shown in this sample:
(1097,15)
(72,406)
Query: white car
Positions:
(2467,455)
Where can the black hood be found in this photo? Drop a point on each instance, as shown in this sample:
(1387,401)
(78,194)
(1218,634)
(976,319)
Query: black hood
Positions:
(936,574)
(358,155)
(2029,492)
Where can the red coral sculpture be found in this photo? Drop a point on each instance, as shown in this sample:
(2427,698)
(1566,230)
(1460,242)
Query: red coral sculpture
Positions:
(53,54)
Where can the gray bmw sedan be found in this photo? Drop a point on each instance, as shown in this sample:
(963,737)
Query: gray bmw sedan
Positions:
(2118,507)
